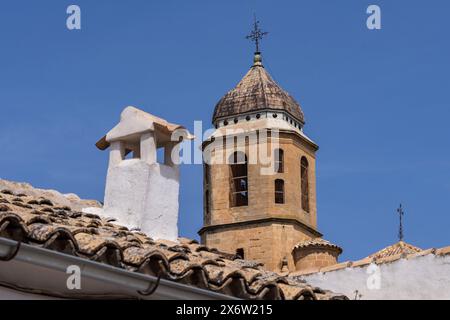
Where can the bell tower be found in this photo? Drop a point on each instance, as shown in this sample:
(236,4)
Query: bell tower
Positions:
(253,209)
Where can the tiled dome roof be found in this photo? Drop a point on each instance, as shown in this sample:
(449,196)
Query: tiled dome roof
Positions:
(317,242)
(257,91)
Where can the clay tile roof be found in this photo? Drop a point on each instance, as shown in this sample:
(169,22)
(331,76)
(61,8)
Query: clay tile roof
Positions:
(257,91)
(317,242)
(51,226)
(399,248)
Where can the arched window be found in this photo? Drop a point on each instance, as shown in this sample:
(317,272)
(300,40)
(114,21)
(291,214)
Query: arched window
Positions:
(305,184)
(239,180)
(279,159)
(207,216)
(279,191)
(240,253)
(207,193)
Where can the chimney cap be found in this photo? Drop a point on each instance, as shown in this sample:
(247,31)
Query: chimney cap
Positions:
(134,122)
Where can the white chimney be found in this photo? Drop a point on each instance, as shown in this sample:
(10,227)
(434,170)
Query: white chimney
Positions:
(140,192)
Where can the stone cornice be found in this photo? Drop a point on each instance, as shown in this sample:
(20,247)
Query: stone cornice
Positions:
(259,221)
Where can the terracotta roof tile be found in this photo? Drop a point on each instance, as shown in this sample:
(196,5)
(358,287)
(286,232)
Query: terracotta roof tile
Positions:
(317,242)
(443,251)
(362,262)
(399,248)
(420,253)
(388,259)
(46,224)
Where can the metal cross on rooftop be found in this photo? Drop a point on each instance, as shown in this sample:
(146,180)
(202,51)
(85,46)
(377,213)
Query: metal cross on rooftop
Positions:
(257,34)
(401,213)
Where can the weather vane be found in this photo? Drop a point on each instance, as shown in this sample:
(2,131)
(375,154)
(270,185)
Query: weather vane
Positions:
(257,34)
(401,213)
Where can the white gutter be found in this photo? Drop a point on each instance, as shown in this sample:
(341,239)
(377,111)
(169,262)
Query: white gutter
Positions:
(44,271)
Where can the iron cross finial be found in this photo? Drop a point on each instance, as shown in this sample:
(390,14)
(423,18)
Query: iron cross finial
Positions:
(257,34)
(401,213)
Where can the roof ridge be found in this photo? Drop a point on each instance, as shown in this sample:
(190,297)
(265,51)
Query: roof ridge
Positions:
(262,86)
(400,247)
(444,251)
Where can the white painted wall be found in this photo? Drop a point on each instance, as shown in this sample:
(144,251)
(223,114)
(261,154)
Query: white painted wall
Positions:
(145,196)
(426,277)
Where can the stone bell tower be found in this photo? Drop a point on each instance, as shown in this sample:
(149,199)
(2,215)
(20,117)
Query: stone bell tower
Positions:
(247,211)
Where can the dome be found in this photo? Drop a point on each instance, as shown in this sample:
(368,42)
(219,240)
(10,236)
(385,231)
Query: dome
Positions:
(257,91)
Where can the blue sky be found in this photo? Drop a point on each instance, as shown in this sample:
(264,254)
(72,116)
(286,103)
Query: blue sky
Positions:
(377,102)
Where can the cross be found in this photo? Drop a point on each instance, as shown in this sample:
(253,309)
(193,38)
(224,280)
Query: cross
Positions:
(257,34)
(401,213)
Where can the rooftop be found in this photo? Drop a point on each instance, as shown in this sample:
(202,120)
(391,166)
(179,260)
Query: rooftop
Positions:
(317,242)
(395,252)
(47,224)
(399,248)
